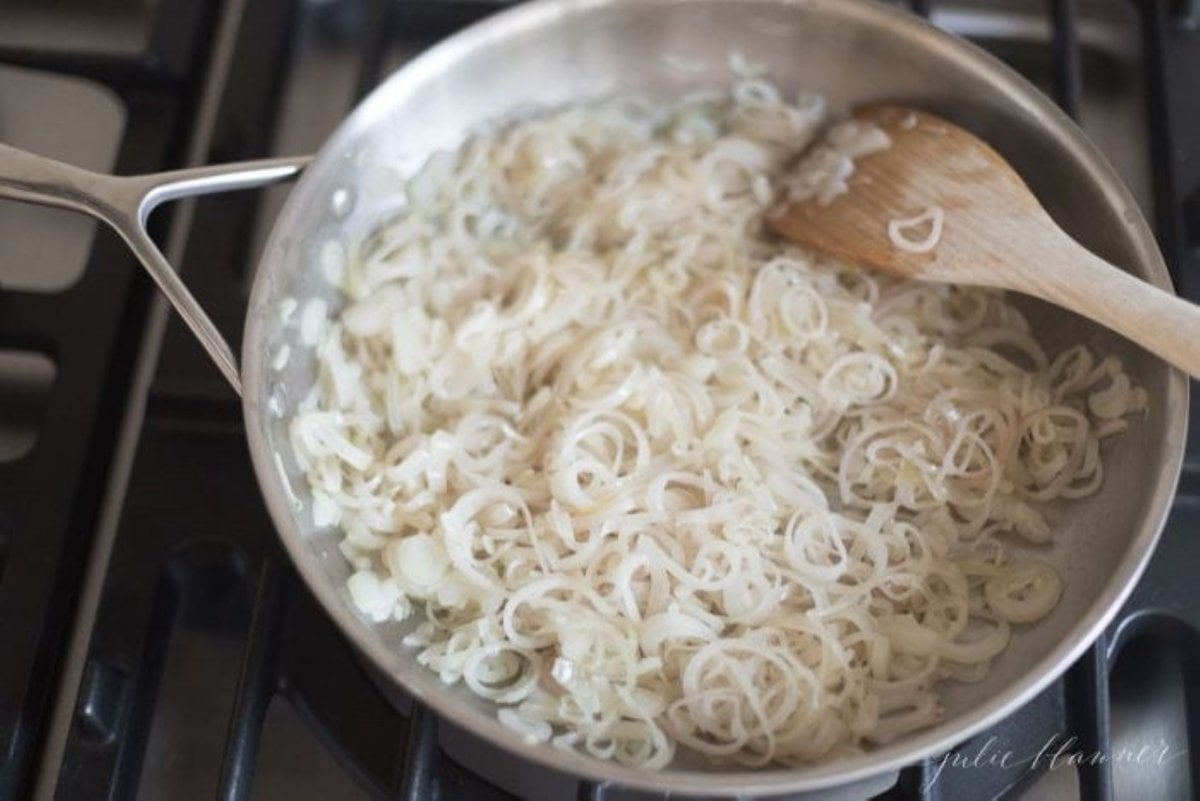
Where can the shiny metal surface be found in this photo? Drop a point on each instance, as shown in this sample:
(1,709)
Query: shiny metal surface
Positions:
(126,203)
(553,52)
(1113,109)
(556,51)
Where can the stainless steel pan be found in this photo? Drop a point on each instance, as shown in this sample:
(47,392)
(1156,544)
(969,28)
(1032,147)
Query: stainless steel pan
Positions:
(552,52)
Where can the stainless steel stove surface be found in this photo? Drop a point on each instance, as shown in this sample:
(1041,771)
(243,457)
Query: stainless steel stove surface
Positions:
(158,644)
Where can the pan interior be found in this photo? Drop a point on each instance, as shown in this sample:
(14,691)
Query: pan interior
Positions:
(550,53)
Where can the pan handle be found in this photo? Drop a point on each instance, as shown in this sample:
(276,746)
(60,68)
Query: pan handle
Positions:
(125,204)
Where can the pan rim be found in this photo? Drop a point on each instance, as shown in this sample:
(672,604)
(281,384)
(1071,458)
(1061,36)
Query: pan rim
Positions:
(821,776)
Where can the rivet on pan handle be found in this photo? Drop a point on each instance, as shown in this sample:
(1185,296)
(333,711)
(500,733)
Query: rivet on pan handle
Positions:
(125,204)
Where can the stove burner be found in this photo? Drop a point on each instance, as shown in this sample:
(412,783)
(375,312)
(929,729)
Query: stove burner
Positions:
(157,641)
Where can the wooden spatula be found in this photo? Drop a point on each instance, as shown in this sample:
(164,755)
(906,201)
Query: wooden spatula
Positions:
(993,232)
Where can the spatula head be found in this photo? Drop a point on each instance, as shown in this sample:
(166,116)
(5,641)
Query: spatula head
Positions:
(935,183)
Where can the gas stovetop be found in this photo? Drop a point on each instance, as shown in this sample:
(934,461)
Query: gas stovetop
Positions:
(158,643)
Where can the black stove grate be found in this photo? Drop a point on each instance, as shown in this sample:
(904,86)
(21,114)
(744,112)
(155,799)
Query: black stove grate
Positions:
(204,637)
(50,497)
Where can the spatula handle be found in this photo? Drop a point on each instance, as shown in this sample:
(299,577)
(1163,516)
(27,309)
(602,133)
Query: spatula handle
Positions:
(1160,322)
